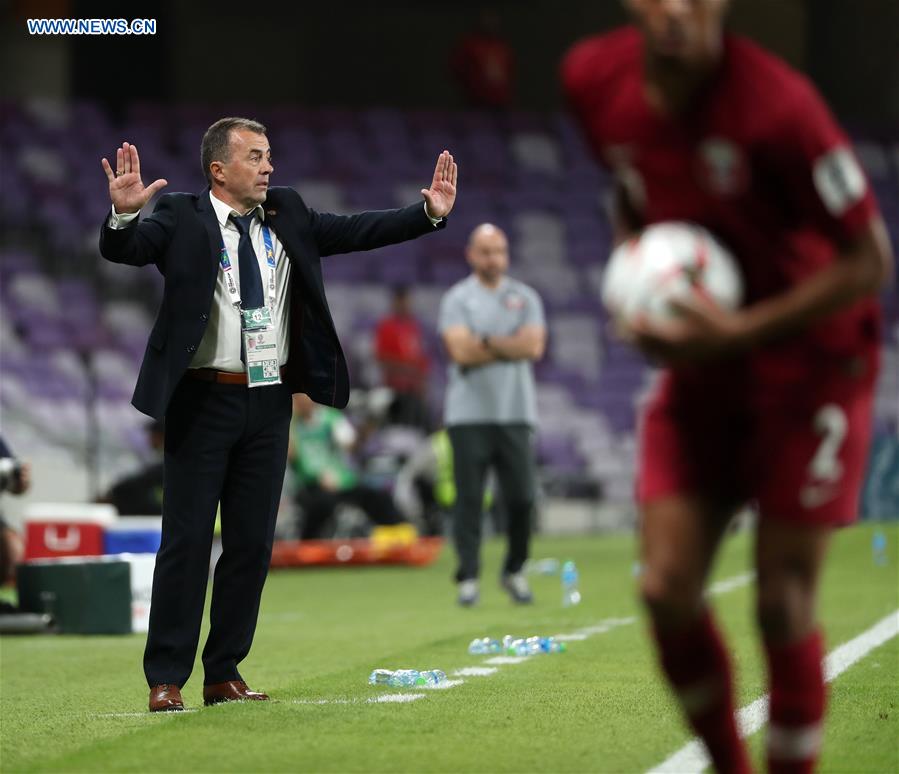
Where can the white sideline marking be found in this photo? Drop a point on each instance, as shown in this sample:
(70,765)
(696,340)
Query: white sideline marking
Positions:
(848,653)
(507,660)
(443,686)
(147,714)
(729,584)
(607,625)
(384,698)
(474,671)
(601,628)
(693,758)
(396,698)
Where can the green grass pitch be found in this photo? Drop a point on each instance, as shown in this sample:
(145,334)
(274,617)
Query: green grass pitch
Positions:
(79,703)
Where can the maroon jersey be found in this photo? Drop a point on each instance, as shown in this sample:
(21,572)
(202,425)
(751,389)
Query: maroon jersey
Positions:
(757,159)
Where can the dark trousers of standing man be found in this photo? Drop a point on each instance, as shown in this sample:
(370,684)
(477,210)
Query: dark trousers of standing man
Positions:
(509,450)
(224,443)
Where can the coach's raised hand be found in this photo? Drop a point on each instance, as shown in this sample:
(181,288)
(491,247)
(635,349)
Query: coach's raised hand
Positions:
(126,189)
(441,196)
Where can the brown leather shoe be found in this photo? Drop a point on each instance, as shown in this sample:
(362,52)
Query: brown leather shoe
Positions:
(166,698)
(233,690)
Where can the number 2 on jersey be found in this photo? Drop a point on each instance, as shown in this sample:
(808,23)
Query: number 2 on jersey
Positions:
(831,425)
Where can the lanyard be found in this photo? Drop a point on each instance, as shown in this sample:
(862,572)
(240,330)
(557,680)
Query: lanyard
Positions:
(228,269)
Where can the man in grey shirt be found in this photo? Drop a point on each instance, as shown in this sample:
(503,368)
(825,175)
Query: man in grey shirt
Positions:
(493,328)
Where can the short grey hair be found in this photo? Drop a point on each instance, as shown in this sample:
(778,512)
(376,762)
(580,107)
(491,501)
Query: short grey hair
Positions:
(216,145)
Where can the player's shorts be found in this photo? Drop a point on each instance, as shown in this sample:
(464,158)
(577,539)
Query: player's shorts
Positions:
(799,455)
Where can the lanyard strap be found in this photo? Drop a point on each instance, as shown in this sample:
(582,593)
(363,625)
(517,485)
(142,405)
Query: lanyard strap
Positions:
(228,269)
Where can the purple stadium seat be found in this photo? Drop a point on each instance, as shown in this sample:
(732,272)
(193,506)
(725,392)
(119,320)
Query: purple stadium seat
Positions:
(558,451)
(447,272)
(355,159)
(345,269)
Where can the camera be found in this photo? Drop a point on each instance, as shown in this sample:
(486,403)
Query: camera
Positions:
(10,474)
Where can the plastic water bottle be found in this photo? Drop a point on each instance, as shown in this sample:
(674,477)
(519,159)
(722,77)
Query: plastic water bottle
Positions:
(517,647)
(380,677)
(879,548)
(432,677)
(484,646)
(543,566)
(545,645)
(407,678)
(570,593)
(531,646)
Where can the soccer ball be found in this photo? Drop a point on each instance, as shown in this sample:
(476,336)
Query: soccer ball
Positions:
(666,262)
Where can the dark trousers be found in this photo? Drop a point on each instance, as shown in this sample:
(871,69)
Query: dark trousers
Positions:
(409,408)
(319,505)
(509,450)
(224,443)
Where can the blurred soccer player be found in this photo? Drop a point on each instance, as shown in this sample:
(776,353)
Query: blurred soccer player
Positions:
(771,403)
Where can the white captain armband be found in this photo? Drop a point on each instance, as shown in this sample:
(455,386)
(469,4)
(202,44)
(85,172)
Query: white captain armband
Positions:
(839,180)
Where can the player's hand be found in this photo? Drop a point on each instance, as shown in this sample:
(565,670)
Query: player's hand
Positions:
(126,189)
(441,196)
(701,331)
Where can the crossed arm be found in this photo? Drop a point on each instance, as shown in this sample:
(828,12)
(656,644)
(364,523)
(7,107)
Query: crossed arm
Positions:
(467,349)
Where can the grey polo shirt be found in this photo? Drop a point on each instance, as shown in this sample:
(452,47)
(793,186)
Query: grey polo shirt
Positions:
(499,392)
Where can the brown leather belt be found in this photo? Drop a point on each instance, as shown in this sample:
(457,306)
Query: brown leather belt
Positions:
(222,377)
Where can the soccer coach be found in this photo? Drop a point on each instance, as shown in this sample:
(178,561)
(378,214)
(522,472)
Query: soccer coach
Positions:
(243,324)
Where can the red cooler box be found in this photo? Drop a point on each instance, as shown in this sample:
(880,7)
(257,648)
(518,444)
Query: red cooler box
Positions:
(66,529)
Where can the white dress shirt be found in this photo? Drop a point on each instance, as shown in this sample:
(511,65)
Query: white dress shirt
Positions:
(221,342)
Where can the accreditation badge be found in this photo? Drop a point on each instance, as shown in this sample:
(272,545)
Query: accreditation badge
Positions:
(260,343)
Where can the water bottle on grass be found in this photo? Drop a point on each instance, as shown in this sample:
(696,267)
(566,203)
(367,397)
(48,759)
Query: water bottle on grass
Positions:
(879,548)
(571,595)
(407,678)
(531,646)
(484,646)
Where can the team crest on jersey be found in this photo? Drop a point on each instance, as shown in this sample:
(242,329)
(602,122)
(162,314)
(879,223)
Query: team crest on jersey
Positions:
(722,168)
(513,301)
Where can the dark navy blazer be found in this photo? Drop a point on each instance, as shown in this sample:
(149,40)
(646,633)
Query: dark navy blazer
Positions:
(183,239)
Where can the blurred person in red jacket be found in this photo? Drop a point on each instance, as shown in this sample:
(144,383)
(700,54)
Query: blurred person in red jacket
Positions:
(484,64)
(400,351)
